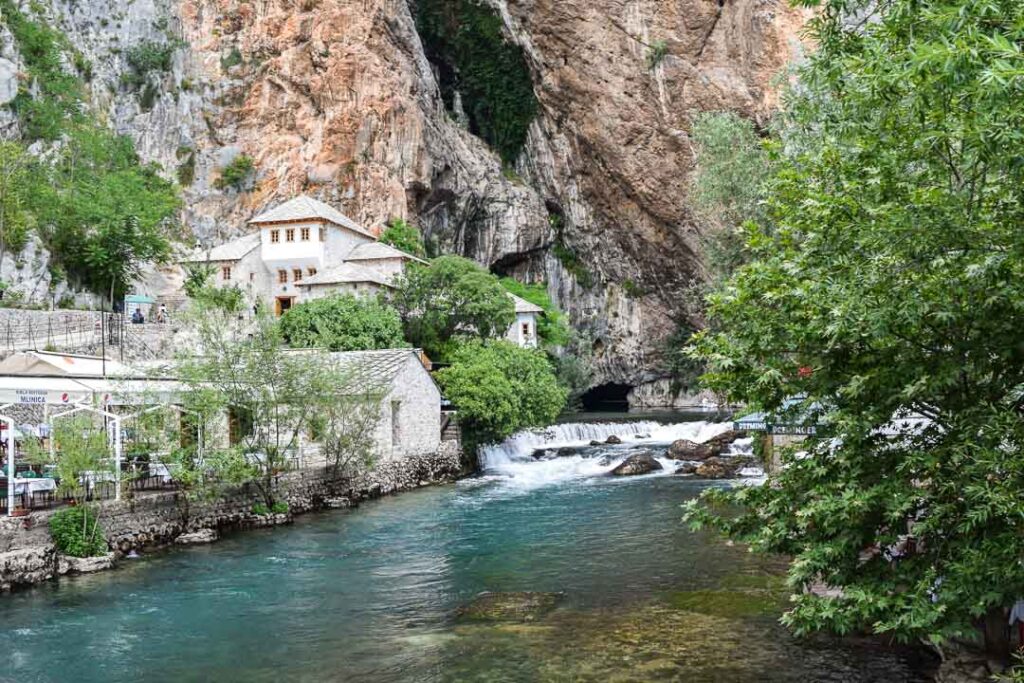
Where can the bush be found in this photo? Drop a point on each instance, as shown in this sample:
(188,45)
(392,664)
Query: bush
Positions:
(279,508)
(237,173)
(260,509)
(76,532)
(343,323)
(401,235)
(499,388)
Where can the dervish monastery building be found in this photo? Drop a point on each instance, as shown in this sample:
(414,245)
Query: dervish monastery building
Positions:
(305,249)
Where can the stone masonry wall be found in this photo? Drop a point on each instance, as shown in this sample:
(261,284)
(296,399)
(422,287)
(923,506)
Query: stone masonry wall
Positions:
(28,556)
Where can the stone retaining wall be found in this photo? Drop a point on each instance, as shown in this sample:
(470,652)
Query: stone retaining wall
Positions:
(27,554)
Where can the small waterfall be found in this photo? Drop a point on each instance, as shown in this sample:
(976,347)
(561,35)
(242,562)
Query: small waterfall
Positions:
(512,461)
(520,447)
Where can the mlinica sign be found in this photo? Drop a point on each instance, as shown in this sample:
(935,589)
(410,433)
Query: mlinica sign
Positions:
(31,396)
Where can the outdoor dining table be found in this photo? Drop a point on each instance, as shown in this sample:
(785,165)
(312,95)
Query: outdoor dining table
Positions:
(32,485)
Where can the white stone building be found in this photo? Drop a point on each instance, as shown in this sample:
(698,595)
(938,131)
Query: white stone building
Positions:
(305,249)
(524,330)
(409,421)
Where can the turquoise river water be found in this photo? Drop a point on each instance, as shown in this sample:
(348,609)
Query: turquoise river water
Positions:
(373,594)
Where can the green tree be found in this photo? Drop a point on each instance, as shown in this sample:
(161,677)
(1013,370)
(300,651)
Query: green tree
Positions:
(890,284)
(551,327)
(500,388)
(115,253)
(343,323)
(729,186)
(17,172)
(452,299)
(404,236)
(243,367)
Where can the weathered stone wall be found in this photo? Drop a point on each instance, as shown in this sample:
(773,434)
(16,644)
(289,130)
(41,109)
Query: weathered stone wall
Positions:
(27,554)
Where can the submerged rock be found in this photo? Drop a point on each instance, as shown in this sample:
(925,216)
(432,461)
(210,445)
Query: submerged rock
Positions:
(197,537)
(595,442)
(84,565)
(613,440)
(638,463)
(519,606)
(566,450)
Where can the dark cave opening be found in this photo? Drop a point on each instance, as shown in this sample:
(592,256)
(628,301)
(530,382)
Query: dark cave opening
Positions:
(609,397)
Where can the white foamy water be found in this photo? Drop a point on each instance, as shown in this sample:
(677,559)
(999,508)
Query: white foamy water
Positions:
(512,461)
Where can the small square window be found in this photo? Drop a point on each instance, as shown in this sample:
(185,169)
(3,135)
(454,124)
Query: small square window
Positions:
(252,277)
(323,234)
(305,234)
(282,276)
(312,272)
(289,235)
(275,236)
(225,272)
(297,274)
(526,329)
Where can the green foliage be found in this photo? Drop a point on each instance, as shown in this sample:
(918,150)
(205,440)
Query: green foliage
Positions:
(260,509)
(888,282)
(575,374)
(94,184)
(277,396)
(500,388)
(656,53)
(566,255)
(729,187)
(404,236)
(60,94)
(279,508)
(684,370)
(464,39)
(232,58)
(551,327)
(18,171)
(453,298)
(187,169)
(76,532)
(149,56)
(237,173)
(343,323)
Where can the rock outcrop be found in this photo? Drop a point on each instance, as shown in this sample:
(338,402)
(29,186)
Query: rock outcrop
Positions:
(509,607)
(638,463)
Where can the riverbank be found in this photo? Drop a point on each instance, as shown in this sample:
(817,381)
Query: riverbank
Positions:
(28,556)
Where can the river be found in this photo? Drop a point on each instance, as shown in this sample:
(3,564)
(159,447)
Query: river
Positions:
(373,594)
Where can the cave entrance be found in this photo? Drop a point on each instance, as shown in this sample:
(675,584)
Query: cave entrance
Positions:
(607,398)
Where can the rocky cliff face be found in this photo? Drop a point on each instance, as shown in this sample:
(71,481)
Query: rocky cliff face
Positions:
(337,98)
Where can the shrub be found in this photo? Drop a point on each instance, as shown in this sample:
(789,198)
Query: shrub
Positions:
(76,532)
(656,53)
(279,508)
(343,323)
(236,173)
(499,388)
(401,235)
(260,509)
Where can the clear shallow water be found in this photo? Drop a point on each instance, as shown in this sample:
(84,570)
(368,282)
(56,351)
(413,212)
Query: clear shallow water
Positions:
(372,594)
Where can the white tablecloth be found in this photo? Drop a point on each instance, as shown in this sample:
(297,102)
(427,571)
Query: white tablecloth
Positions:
(93,477)
(31,485)
(157,469)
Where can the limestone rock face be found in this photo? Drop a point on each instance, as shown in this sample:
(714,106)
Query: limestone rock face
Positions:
(337,99)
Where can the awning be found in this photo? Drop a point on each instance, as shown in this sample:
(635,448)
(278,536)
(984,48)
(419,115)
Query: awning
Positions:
(43,390)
